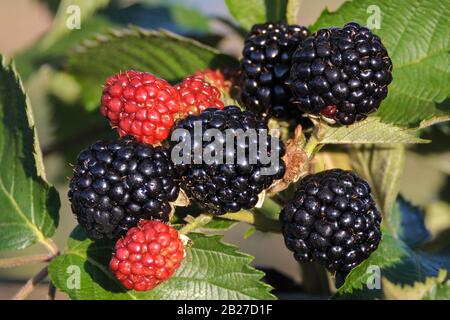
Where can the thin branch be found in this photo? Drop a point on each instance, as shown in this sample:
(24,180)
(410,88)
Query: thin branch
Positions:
(260,221)
(20,261)
(315,279)
(25,291)
(312,146)
(51,291)
(51,246)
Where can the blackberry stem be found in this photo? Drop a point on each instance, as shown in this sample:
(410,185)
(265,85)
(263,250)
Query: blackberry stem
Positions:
(315,279)
(260,221)
(312,146)
(293,8)
(270,209)
(20,261)
(25,291)
(51,246)
(51,291)
(196,223)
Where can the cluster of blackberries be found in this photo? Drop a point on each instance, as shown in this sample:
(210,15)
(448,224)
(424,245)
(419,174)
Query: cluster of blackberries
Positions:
(124,189)
(341,74)
(233,178)
(266,64)
(332,219)
(224,157)
(117,183)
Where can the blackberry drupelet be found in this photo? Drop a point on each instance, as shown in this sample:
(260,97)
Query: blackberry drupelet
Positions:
(341,73)
(332,219)
(117,183)
(217,184)
(265,68)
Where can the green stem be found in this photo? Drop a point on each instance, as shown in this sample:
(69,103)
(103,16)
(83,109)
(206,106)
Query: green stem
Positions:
(292,10)
(196,223)
(270,209)
(51,246)
(261,222)
(312,146)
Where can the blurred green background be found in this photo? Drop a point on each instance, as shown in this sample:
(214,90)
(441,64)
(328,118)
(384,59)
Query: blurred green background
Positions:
(64,127)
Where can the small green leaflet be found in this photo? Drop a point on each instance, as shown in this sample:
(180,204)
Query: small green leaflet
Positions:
(211,269)
(28,204)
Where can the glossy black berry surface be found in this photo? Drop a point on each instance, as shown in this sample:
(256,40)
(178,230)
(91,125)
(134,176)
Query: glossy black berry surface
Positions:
(341,73)
(332,219)
(117,183)
(221,185)
(265,68)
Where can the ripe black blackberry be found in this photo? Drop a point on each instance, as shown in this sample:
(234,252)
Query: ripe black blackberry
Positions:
(217,184)
(117,183)
(265,67)
(341,73)
(332,219)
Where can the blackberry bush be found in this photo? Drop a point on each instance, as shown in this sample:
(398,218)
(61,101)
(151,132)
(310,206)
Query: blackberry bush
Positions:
(341,73)
(117,183)
(332,219)
(265,68)
(224,186)
(353,97)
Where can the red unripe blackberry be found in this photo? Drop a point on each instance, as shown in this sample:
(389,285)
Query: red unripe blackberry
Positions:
(341,73)
(198,94)
(216,78)
(142,105)
(147,255)
(332,219)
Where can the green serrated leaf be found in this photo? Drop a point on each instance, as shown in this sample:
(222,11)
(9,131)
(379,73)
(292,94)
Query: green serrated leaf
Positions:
(28,204)
(251,12)
(211,269)
(416,34)
(162,53)
(371,130)
(417,291)
(371,160)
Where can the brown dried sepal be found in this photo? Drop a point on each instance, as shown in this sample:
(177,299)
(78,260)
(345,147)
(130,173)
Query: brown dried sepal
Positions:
(296,160)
